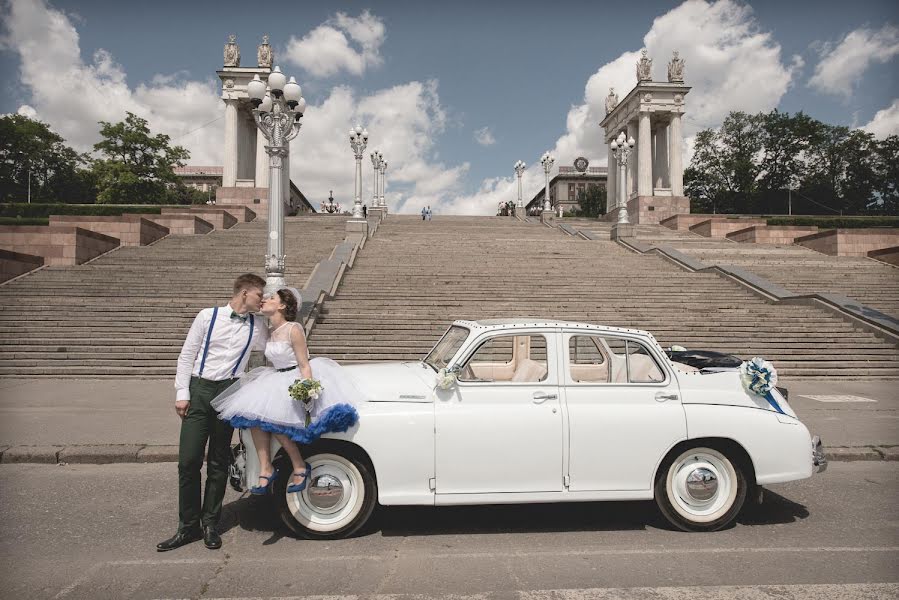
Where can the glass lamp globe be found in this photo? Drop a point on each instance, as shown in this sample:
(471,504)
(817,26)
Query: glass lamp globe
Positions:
(276,80)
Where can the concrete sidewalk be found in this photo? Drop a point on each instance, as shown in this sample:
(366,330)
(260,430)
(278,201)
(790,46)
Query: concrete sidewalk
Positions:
(133,420)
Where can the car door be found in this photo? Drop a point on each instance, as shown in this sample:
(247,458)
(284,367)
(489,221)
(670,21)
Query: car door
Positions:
(499,428)
(624,411)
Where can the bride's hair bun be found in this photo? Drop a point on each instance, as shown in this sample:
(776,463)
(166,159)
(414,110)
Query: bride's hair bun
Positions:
(290,304)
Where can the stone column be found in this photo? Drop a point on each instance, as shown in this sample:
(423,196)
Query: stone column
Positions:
(261,161)
(631,174)
(676,168)
(229,168)
(285,196)
(660,166)
(611,181)
(644,157)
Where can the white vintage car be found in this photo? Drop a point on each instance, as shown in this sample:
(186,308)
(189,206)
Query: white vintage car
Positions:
(511,411)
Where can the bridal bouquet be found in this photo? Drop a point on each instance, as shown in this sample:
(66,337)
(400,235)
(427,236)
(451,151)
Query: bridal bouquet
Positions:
(305,390)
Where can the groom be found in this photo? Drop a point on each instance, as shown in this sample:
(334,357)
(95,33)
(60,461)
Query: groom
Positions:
(215,353)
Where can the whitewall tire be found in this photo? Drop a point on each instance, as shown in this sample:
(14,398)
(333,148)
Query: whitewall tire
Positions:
(700,489)
(338,500)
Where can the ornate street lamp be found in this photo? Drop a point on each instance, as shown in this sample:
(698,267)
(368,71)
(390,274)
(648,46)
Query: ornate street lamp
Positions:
(547,160)
(330,206)
(621,150)
(376,159)
(519,171)
(358,142)
(383,181)
(277,111)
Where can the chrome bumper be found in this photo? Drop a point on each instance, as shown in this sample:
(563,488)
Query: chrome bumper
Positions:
(818,458)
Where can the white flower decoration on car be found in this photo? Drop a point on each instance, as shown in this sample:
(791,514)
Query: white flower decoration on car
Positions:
(446,378)
(758,375)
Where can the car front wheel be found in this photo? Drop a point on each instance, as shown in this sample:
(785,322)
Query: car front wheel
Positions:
(700,489)
(338,500)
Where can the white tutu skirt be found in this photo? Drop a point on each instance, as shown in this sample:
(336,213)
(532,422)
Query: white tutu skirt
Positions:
(261,399)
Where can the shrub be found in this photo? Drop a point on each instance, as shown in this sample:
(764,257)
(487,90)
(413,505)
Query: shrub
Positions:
(23,210)
(836,222)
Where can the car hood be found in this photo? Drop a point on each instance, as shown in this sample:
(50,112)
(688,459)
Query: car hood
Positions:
(726,388)
(394,381)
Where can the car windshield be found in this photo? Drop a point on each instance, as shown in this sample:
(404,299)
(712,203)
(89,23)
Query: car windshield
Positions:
(447,347)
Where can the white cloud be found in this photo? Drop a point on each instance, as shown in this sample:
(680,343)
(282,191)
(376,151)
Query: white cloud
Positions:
(885,121)
(403,123)
(71,95)
(842,65)
(343,43)
(484,136)
(730,63)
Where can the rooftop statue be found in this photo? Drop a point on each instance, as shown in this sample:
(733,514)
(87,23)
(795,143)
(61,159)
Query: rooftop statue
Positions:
(644,68)
(676,69)
(264,54)
(611,100)
(232,52)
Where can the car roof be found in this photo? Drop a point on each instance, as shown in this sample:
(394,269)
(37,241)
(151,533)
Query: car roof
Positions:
(485,324)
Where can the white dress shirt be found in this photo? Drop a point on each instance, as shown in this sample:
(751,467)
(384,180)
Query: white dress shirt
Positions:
(229,337)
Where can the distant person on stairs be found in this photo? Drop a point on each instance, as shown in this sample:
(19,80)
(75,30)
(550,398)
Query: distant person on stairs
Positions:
(214,354)
(428,213)
(424,213)
(365,211)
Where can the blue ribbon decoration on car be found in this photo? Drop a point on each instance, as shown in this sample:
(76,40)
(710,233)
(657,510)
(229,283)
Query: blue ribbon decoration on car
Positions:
(759,377)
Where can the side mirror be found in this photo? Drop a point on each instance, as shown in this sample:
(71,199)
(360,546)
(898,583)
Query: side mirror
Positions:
(446,378)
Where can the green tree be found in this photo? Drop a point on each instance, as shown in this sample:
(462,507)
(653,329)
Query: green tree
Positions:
(29,149)
(592,202)
(887,152)
(136,167)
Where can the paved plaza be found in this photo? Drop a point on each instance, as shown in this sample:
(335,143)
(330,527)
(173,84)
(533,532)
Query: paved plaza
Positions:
(88,532)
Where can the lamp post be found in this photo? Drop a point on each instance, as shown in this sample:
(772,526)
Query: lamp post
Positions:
(376,159)
(383,182)
(277,110)
(621,150)
(358,142)
(547,160)
(519,171)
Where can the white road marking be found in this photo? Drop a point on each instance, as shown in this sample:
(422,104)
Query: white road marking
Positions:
(536,554)
(839,398)
(846,591)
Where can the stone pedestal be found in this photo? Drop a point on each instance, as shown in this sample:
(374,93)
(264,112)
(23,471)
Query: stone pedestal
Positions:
(357,231)
(547,216)
(378,211)
(650,210)
(623,231)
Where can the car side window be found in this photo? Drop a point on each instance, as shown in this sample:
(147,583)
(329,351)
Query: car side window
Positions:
(607,359)
(508,358)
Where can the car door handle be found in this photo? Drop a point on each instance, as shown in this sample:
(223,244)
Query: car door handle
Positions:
(541,397)
(662,396)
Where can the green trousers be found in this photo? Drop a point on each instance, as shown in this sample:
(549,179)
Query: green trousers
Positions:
(199,426)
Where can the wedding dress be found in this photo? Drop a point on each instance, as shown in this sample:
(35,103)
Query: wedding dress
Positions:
(261,398)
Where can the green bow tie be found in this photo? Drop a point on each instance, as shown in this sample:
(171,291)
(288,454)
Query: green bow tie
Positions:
(241,318)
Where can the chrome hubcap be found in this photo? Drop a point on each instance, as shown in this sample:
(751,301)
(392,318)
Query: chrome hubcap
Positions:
(325,492)
(702,484)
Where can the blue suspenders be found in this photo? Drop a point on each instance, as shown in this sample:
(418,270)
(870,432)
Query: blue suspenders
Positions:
(215,312)
(244,351)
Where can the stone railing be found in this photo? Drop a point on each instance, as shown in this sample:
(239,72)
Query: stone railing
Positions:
(131,229)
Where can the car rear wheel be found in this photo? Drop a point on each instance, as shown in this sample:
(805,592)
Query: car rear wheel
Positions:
(700,489)
(338,500)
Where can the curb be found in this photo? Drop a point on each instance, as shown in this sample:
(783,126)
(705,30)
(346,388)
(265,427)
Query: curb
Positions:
(88,454)
(102,454)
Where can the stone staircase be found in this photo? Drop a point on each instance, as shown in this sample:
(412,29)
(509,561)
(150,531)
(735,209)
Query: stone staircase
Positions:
(795,267)
(126,313)
(414,278)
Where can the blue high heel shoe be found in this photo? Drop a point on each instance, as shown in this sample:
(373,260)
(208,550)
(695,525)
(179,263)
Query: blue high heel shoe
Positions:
(262,490)
(299,487)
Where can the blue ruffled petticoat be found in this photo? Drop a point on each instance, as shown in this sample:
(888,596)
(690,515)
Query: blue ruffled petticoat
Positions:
(261,399)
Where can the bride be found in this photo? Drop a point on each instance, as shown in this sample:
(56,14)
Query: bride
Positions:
(260,401)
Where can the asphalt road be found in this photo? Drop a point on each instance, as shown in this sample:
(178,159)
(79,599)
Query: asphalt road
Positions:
(89,531)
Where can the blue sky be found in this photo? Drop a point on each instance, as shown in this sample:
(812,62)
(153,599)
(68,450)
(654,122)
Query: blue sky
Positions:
(533,76)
